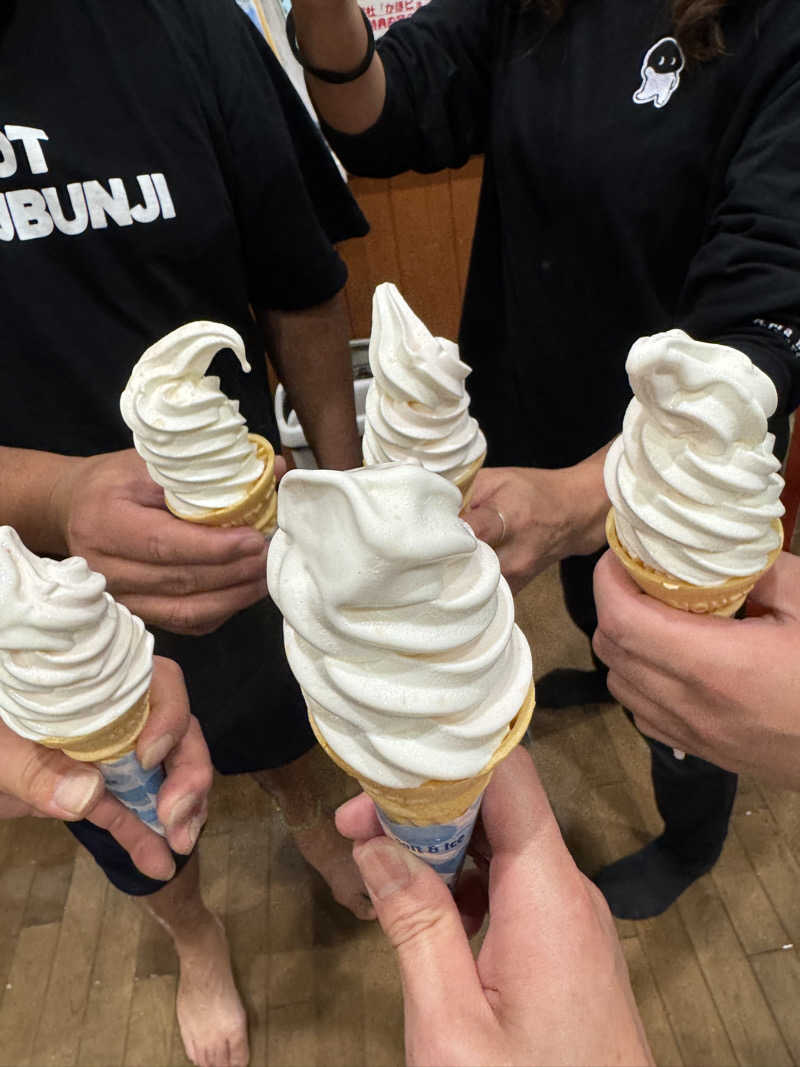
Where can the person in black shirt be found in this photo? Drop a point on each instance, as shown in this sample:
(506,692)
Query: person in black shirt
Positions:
(156,167)
(640,174)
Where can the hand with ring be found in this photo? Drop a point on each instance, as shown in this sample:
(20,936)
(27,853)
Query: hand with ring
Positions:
(534,517)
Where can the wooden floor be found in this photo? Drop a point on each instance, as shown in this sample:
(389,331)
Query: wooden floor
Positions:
(86,978)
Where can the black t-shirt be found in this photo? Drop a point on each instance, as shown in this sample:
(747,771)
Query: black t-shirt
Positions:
(156,167)
(624,193)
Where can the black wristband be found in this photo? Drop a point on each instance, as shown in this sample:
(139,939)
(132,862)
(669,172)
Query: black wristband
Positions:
(334,76)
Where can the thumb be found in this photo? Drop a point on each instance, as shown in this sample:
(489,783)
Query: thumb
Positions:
(776,593)
(419,916)
(47,780)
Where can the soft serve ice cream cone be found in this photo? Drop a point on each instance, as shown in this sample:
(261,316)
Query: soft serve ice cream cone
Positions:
(75,669)
(692,479)
(193,438)
(417,406)
(400,630)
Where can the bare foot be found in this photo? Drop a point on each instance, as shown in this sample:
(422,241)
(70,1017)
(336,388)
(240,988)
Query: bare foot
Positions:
(308,791)
(329,853)
(210,1013)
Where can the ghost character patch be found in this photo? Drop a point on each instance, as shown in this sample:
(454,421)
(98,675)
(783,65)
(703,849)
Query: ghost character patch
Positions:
(661,73)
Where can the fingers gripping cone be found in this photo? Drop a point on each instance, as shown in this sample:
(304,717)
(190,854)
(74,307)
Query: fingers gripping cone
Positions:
(465,483)
(258,508)
(112,750)
(435,820)
(724,600)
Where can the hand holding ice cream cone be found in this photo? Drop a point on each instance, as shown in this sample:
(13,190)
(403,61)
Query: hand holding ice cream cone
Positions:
(692,479)
(721,689)
(75,669)
(180,576)
(35,780)
(489,1009)
(534,517)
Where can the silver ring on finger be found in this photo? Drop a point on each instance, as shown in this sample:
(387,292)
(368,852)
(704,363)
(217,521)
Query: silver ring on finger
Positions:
(502,537)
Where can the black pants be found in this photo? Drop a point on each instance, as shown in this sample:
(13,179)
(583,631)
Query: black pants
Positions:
(694,797)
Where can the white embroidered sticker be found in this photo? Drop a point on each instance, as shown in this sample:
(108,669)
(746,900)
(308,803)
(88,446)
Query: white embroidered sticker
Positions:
(661,73)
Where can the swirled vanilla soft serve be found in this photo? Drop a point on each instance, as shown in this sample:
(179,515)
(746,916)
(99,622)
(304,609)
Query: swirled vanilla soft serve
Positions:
(398,625)
(417,406)
(192,437)
(693,479)
(72,660)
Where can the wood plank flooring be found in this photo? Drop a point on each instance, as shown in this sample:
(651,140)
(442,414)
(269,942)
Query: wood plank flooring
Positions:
(86,978)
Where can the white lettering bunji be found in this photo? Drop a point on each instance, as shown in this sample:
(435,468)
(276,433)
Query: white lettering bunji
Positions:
(26,214)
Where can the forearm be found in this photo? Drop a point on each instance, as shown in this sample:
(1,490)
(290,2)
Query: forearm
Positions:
(28,490)
(588,491)
(332,36)
(311,355)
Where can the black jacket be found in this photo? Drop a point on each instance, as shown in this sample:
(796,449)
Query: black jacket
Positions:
(624,193)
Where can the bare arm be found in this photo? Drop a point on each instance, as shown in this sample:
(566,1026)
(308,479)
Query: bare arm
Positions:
(28,483)
(332,36)
(311,355)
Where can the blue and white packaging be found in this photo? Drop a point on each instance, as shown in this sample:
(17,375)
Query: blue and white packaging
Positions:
(443,847)
(135,787)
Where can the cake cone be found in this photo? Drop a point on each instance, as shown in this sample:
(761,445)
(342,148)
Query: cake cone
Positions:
(436,801)
(112,749)
(258,508)
(435,820)
(723,600)
(466,481)
(112,741)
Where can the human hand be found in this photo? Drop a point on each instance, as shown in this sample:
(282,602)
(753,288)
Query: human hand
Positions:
(534,517)
(178,575)
(722,689)
(550,984)
(40,781)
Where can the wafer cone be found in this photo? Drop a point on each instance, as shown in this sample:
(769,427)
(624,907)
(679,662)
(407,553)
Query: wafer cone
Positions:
(112,741)
(724,600)
(258,508)
(466,482)
(435,802)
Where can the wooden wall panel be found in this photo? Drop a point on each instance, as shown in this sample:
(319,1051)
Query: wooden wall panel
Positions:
(371,259)
(420,239)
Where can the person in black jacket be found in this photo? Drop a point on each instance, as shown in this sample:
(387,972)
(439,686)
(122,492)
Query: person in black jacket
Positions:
(640,174)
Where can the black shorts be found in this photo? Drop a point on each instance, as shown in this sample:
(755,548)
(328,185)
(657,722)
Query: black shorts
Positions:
(250,707)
